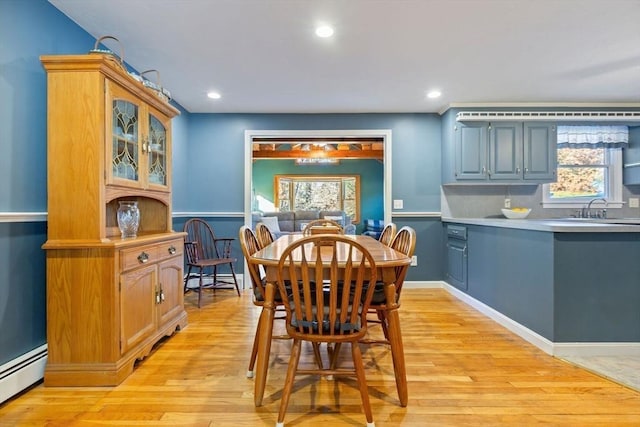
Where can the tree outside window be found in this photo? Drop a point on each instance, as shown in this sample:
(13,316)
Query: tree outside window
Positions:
(582,172)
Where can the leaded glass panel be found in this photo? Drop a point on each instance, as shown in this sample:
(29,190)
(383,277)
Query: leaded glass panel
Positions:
(125,160)
(157,150)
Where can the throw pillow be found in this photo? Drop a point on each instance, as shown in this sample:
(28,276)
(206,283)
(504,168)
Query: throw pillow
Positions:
(272,223)
(336,218)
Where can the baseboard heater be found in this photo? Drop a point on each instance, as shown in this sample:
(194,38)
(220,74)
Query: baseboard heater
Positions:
(20,373)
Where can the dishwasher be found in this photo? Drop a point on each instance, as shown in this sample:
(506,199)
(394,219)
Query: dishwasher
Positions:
(457,256)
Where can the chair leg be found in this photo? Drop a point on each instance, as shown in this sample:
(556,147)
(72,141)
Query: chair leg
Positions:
(288,383)
(362,382)
(233,273)
(200,290)
(254,350)
(316,353)
(334,355)
(382,315)
(186,279)
(215,278)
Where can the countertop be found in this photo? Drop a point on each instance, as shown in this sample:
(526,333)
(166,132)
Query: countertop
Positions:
(560,225)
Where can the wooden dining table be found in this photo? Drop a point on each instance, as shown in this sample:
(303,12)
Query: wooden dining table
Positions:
(387,260)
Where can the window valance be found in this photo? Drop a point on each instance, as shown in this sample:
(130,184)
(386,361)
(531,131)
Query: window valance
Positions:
(593,136)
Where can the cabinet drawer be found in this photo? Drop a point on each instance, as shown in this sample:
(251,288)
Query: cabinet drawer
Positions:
(170,248)
(148,254)
(135,257)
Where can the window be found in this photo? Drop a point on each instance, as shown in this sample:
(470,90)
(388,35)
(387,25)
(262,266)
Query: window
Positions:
(589,166)
(321,192)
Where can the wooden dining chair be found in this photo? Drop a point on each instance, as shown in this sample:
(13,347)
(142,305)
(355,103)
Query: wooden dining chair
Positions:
(388,233)
(203,251)
(316,227)
(264,234)
(335,314)
(250,245)
(405,243)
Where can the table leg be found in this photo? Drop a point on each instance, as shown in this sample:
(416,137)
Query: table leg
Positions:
(264,343)
(397,348)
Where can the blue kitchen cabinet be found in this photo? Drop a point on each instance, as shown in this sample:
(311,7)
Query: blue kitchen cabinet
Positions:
(540,152)
(568,287)
(471,151)
(507,152)
(631,158)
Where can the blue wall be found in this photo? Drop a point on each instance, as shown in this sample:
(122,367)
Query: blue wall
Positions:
(208,165)
(216,145)
(28,29)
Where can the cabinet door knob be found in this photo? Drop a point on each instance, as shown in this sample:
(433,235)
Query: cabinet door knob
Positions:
(172,250)
(143,257)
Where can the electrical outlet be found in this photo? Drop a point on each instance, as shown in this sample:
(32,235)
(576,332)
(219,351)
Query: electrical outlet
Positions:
(397,204)
(633,202)
(507,203)
(414,260)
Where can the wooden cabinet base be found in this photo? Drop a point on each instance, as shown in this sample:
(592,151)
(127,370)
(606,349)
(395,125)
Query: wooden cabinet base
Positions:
(108,304)
(106,373)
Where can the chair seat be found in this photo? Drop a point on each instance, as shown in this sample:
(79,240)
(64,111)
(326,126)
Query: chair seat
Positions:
(213,262)
(259,298)
(378,295)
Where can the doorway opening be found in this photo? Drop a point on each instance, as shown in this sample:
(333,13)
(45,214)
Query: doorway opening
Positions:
(306,137)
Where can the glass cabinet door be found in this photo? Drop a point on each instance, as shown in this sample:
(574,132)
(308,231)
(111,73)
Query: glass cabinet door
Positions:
(138,143)
(125,140)
(157,149)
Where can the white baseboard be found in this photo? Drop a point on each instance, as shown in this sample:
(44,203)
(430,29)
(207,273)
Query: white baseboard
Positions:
(564,349)
(423,285)
(21,372)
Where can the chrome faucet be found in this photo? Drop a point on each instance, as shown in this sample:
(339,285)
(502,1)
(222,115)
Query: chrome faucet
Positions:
(586,211)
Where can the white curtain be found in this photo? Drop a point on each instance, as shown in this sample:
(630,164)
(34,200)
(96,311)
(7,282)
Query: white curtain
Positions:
(593,136)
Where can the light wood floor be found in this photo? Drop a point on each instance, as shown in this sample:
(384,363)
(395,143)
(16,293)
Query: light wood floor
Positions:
(463,370)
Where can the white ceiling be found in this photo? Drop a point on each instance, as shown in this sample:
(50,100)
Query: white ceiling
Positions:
(263,55)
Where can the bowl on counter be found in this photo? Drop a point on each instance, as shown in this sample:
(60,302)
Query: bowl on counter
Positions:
(516,213)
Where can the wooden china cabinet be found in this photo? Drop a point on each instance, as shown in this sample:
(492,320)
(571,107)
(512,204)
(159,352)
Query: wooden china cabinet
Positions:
(109,299)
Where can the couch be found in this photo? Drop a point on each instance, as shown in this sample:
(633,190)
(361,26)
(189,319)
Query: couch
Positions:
(373,228)
(295,221)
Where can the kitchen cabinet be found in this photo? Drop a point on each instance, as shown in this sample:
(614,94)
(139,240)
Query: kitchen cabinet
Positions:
(457,256)
(631,158)
(505,152)
(109,299)
(148,274)
(551,282)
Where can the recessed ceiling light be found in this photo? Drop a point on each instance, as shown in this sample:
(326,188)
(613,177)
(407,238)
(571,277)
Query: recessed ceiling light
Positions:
(214,95)
(434,94)
(324,31)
